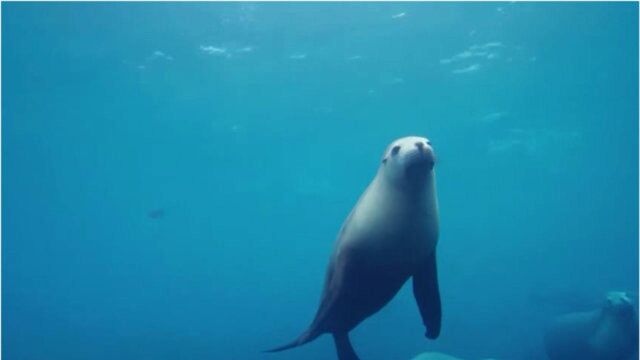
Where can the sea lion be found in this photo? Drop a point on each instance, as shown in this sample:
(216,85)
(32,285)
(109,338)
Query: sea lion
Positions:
(608,333)
(389,236)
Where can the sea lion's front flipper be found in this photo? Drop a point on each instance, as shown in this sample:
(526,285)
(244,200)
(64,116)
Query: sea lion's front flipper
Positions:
(425,289)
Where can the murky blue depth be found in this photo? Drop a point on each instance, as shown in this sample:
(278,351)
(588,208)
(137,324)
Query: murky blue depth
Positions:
(174,175)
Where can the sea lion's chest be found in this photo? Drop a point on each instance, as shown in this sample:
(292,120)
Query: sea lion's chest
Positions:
(387,226)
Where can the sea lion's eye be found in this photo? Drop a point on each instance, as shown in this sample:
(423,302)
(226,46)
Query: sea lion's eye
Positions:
(428,142)
(395,150)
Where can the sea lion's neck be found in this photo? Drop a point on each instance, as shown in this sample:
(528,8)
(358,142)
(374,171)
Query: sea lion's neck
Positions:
(418,193)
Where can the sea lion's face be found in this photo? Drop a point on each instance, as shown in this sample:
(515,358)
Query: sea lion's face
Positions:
(408,160)
(618,302)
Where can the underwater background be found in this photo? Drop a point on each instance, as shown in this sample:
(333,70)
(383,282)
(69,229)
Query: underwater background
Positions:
(174,174)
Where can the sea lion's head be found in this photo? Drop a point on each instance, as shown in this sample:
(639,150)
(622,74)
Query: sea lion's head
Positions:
(408,161)
(618,303)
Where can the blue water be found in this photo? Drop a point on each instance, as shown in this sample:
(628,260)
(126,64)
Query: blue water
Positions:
(174,175)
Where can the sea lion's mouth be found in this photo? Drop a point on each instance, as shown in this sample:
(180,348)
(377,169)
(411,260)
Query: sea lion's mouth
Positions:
(420,158)
(419,164)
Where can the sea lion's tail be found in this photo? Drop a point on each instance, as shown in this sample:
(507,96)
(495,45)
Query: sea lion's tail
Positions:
(306,337)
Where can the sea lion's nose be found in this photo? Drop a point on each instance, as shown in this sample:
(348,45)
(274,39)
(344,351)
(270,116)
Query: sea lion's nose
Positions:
(420,145)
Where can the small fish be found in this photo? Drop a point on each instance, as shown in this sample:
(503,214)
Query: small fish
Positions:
(156,213)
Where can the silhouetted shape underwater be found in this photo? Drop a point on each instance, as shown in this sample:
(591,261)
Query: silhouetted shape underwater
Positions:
(608,333)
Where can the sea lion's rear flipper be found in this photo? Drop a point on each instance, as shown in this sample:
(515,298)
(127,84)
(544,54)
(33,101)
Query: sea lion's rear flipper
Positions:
(306,337)
(343,347)
(317,327)
(425,289)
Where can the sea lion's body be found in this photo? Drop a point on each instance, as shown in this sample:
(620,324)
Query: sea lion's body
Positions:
(609,333)
(389,236)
